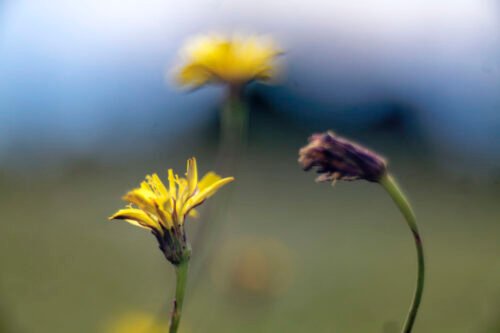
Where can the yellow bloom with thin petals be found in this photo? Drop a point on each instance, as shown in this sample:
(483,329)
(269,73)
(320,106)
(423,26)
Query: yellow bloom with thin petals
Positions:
(235,60)
(163,210)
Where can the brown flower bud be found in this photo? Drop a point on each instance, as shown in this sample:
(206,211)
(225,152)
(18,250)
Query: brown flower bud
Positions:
(337,158)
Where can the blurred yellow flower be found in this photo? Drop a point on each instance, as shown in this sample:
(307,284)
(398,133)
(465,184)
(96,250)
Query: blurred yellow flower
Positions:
(235,60)
(136,322)
(163,210)
(253,266)
(139,322)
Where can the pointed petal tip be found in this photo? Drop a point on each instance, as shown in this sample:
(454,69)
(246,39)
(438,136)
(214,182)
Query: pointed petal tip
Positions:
(113,217)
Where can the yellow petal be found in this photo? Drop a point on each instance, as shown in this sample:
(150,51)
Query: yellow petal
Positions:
(206,193)
(158,186)
(192,175)
(171,184)
(193,75)
(193,213)
(207,49)
(145,186)
(210,190)
(165,217)
(207,180)
(136,217)
(182,193)
(141,197)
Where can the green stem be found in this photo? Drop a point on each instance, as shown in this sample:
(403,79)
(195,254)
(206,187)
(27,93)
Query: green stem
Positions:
(181,272)
(234,120)
(404,206)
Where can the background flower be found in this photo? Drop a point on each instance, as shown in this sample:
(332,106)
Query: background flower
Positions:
(139,322)
(235,60)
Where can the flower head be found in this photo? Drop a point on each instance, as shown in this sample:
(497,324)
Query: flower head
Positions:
(235,60)
(163,210)
(337,158)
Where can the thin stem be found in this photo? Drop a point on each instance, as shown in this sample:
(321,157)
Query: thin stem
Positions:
(404,206)
(234,118)
(234,125)
(181,272)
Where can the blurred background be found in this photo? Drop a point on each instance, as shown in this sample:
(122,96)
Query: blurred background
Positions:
(88,107)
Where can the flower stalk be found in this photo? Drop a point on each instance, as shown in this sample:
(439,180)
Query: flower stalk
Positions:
(232,61)
(336,158)
(391,186)
(234,118)
(163,210)
(181,273)
(233,122)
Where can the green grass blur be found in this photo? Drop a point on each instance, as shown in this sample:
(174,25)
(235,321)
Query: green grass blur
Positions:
(350,257)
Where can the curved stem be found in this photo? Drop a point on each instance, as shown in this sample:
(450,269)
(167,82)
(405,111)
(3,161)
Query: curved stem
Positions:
(404,206)
(181,275)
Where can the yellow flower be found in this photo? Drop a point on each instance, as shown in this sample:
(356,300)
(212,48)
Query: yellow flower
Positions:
(138,322)
(163,209)
(236,60)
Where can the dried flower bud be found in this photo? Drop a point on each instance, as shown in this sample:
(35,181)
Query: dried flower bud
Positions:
(337,158)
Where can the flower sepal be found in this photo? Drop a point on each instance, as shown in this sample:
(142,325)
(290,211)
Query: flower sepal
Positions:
(174,246)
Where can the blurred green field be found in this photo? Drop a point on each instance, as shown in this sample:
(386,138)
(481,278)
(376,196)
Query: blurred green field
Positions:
(348,256)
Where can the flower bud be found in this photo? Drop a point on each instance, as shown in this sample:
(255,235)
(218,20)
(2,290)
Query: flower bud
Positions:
(337,158)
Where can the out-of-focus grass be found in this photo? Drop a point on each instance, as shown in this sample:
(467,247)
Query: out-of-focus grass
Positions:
(66,269)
